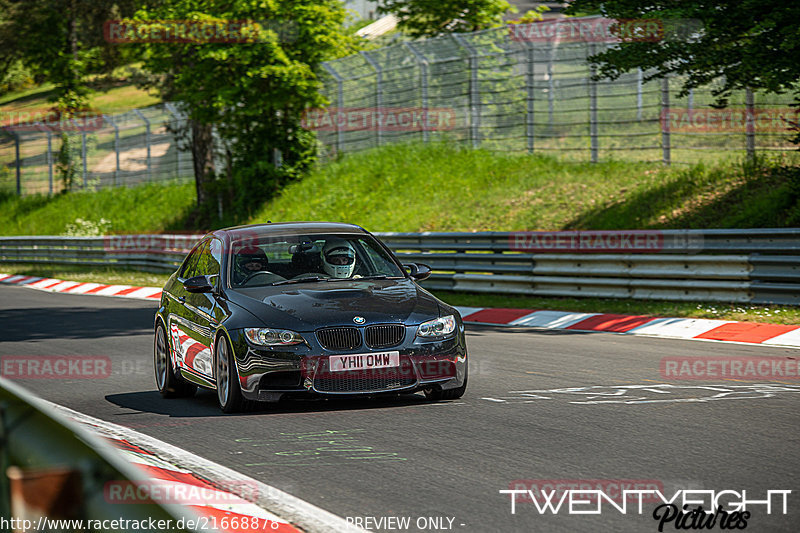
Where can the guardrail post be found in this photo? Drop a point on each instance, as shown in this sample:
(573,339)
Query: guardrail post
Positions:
(474,91)
(639,87)
(665,140)
(750,123)
(378,96)
(116,147)
(530,82)
(146,142)
(339,103)
(592,106)
(423,78)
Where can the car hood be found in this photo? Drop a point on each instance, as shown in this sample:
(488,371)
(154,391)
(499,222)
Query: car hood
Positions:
(308,306)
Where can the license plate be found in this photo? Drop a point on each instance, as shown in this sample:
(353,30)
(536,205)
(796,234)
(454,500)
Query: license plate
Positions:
(363,361)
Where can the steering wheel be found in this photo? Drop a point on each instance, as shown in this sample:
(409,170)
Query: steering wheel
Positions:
(254,274)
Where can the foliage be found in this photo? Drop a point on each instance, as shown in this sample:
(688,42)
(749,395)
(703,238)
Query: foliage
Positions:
(253,90)
(61,41)
(428,18)
(745,44)
(66,163)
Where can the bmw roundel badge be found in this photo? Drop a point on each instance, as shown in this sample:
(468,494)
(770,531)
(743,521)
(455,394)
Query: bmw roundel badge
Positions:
(359,319)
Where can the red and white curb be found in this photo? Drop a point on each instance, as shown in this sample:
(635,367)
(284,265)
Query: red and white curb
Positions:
(77,287)
(671,328)
(229,501)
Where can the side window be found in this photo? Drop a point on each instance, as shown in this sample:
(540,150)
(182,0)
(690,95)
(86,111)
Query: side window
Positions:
(210,259)
(190,267)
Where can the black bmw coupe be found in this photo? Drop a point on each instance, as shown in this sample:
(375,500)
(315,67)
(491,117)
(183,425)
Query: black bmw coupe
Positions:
(304,310)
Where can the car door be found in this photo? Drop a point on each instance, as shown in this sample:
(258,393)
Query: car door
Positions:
(193,324)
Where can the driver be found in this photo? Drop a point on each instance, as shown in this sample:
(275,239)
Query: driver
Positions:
(338,258)
(248,261)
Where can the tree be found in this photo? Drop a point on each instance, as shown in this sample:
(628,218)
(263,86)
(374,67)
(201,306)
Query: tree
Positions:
(252,86)
(428,18)
(747,43)
(61,41)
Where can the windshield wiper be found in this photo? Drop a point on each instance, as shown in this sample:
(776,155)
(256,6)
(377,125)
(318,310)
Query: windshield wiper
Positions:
(301,280)
(381,276)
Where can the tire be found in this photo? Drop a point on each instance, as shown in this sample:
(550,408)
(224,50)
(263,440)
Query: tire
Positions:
(168,383)
(229,393)
(435,394)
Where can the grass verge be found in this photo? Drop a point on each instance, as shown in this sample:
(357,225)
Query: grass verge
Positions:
(773,314)
(152,208)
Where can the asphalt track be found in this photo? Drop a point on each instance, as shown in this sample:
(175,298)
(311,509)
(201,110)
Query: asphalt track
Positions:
(408,458)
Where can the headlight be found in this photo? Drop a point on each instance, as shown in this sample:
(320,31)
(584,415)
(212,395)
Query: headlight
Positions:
(273,337)
(438,327)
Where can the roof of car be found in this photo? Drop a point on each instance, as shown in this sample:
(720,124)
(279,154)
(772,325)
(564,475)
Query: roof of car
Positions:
(291,228)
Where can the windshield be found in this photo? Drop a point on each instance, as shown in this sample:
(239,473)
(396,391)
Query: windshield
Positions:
(264,260)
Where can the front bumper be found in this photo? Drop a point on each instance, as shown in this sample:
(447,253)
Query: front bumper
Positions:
(267,374)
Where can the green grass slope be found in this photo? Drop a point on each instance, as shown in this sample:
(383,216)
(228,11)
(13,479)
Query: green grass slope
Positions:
(439,187)
(150,208)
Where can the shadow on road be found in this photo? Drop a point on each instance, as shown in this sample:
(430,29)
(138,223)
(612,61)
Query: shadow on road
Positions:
(49,323)
(204,404)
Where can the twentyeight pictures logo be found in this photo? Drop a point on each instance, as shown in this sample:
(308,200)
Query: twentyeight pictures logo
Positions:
(683,509)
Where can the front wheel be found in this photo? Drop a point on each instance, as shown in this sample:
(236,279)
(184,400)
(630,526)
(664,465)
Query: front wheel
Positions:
(229,393)
(435,394)
(169,385)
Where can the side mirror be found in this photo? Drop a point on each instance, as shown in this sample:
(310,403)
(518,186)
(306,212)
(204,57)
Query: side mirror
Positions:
(198,284)
(418,271)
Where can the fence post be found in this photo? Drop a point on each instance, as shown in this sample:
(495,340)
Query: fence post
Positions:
(639,87)
(592,106)
(551,85)
(175,125)
(46,130)
(116,146)
(665,140)
(83,159)
(750,125)
(146,142)
(423,74)
(530,82)
(339,103)
(690,101)
(18,164)
(378,96)
(474,91)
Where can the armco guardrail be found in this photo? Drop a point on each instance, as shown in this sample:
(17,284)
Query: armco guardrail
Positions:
(37,440)
(747,266)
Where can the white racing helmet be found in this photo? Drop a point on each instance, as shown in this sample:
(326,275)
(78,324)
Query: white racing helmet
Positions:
(338,258)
